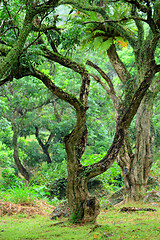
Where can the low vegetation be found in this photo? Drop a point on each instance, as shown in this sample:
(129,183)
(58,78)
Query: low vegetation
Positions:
(111,224)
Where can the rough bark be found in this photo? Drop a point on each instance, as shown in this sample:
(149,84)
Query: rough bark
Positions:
(136,167)
(84,207)
(143,158)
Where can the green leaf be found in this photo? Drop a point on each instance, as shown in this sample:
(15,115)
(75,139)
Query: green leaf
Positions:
(98,42)
(98,31)
(106,45)
(93,16)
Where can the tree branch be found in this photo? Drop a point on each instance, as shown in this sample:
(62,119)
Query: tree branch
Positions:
(12,57)
(104,75)
(84,6)
(148,10)
(56,90)
(13,27)
(5,4)
(98,80)
(37,38)
(66,62)
(118,65)
(138,5)
(58,116)
(79,68)
(7,79)
(122,126)
(112,96)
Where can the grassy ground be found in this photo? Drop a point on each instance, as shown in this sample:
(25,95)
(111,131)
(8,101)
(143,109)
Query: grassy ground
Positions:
(112,224)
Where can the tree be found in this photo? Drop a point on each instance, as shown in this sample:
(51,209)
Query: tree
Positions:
(84,207)
(31,9)
(104,29)
(56,125)
(17,107)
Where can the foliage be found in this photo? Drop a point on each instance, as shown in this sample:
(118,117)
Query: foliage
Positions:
(9,179)
(17,192)
(58,153)
(32,151)
(112,179)
(20,194)
(71,37)
(46,173)
(6,138)
(57,188)
(102,36)
(6,155)
(155,170)
(96,35)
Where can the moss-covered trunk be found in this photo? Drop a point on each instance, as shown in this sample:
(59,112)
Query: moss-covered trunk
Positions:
(136,168)
(144,147)
(84,207)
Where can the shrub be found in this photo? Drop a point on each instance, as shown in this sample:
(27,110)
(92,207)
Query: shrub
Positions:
(47,173)
(21,194)
(57,188)
(6,155)
(9,179)
(32,151)
(112,179)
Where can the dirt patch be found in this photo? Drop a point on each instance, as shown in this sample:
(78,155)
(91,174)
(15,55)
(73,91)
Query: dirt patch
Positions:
(40,208)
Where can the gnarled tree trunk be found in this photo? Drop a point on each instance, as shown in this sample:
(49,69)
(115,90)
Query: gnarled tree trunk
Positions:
(143,158)
(84,207)
(136,168)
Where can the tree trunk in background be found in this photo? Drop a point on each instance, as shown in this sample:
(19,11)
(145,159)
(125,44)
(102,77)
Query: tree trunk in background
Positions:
(136,168)
(44,146)
(18,163)
(144,148)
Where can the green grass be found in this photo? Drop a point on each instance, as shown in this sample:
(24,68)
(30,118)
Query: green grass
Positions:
(114,225)
(20,194)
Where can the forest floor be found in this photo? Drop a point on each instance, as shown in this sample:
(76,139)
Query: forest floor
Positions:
(29,209)
(32,221)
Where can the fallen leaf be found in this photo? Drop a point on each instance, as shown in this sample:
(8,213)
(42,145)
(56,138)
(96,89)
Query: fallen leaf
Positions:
(95,236)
